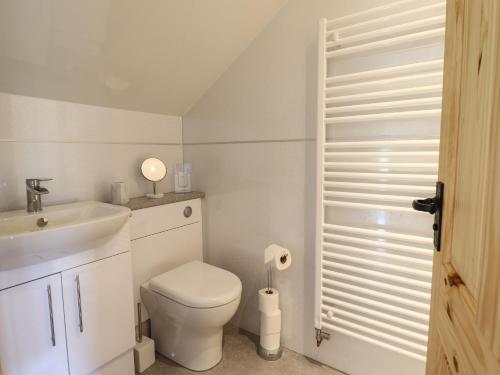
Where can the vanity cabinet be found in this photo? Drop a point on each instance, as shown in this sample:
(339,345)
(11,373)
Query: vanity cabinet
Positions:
(98,304)
(86,322)
(32,331)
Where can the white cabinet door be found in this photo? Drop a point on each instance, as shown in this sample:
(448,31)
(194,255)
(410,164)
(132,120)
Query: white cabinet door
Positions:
(99,312)
(31,341)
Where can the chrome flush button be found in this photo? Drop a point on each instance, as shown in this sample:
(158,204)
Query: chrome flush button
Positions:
(188,211)
(42,222)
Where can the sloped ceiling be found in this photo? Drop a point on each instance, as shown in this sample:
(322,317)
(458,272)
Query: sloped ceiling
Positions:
(148,55)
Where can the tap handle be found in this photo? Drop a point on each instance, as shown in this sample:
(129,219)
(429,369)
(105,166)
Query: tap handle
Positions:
(33,185)
(36,181)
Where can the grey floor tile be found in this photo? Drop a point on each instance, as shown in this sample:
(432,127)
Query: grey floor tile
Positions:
(240,357)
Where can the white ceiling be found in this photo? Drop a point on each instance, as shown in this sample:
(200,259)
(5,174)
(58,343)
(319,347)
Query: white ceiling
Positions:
(148,55)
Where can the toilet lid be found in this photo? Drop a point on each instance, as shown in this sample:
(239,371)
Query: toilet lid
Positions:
(197,284)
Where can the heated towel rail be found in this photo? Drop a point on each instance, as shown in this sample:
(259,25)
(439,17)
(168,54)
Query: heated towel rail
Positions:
(379,108)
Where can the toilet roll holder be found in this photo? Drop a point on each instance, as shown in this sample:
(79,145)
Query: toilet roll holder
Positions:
(283,259)
(269,355)
(269,279)
(269,347)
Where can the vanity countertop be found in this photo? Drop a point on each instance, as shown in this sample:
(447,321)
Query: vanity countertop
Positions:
(168,198)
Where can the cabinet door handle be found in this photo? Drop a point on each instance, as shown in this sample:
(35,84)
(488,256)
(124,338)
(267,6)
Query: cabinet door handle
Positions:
(79,302)
(51,315)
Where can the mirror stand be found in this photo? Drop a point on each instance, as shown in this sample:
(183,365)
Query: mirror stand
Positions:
(155,194)
(153,170)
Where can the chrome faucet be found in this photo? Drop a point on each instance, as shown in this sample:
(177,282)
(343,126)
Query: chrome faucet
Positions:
(34,194)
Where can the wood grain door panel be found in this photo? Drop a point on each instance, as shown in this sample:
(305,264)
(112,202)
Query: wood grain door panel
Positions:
(465,306)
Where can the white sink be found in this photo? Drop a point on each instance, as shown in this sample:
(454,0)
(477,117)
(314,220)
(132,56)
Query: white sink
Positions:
(70,228)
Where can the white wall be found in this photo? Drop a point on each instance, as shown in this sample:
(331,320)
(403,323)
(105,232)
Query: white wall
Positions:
(251,142)
(83,148)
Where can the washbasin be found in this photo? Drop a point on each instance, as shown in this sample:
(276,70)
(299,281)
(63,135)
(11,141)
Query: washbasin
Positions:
(57,231)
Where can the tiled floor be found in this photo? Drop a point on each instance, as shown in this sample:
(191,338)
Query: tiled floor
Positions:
(240,358)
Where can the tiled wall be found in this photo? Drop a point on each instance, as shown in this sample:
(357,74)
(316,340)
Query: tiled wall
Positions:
(251,140)
(257,195)
(83,148)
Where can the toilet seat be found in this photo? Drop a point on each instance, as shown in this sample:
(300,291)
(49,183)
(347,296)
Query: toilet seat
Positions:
(198,285)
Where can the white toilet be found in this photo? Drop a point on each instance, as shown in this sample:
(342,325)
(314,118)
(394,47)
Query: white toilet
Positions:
(187,301)
(188,307)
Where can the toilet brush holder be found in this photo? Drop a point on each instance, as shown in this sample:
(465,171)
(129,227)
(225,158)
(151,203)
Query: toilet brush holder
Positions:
(144,350)
(144,354)
(270,325)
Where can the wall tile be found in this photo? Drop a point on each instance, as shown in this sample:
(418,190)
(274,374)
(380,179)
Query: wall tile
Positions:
(261,192)
(84,148)
(258,194)
(27,118)
(80,171)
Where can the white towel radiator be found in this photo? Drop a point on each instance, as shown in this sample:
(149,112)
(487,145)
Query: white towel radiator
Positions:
(379,108)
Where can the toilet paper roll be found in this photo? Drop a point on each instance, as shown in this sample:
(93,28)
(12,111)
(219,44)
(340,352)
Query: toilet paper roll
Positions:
(279,255)
(270,323)
(268,303)
(283,259)
(270,329)
(270,342)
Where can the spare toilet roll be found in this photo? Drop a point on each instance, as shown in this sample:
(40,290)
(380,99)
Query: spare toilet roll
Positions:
(270,321)
(269,302)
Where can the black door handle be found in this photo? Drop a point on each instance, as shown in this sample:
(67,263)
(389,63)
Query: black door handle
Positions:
(433,206)
(429,205)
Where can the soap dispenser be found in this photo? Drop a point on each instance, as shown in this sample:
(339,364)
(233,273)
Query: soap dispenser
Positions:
(183,177)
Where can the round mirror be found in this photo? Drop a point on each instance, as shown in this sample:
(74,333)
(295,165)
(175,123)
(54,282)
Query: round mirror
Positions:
(153,169)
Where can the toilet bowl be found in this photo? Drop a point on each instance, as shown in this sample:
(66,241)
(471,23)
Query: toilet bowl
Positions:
(188,307)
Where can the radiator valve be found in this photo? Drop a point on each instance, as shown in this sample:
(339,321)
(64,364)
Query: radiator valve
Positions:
(320,335)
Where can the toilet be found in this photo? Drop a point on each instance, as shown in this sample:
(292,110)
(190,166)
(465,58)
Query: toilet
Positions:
(187,300)
(188,307)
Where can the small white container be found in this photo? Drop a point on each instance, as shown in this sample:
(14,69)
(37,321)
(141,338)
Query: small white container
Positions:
(119,194)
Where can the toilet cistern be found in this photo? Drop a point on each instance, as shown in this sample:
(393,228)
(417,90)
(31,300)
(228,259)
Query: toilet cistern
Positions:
(34,194)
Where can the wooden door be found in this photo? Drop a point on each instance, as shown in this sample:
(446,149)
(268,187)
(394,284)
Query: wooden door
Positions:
(106,327)
(465,308)
(32,340)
